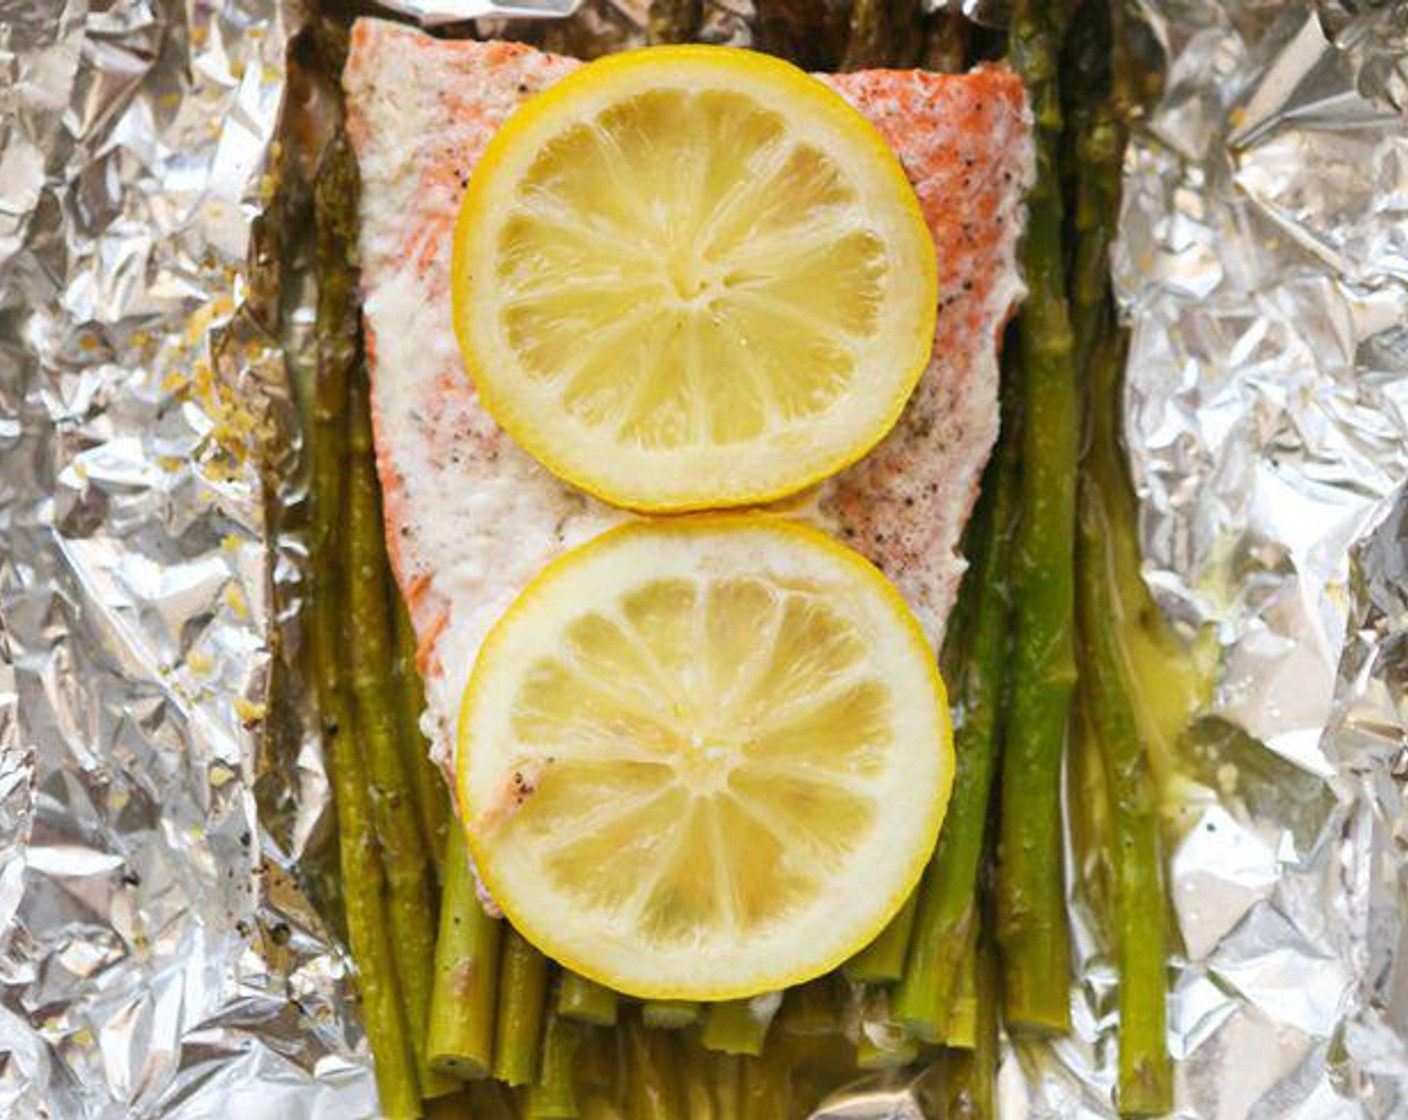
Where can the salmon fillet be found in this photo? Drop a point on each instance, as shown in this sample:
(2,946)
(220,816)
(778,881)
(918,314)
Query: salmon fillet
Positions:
(470,517)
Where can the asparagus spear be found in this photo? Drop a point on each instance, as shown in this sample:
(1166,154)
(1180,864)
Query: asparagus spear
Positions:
(586,1001)
(673,21)
(460,1038)
(554,1096)
(360,863)
(699,1101)
(1145,1075)
(812,1009)
(767,1087)
(654,1088)
(725,1073)
(811,33)
(459,1105)
(740,1026)
(490,1100)
(885,1046)
(962,1025)
(883,33)
(1032,926)
(523,979)
(946,43)
(405,859)
(882,961)
(1145,1079)
(669,1014)
(976,655)
(432,802)
(972,1074)
(600,1074)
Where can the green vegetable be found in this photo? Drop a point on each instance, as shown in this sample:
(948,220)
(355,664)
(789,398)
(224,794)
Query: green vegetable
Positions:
(431,798)
(554,1096)
(673,21)
(653,1074)
(460,1038)
(882,961)
(1031,914)
(946,43)
(669,1014)
(977,656)
(1140,905)
(586,1001)
(883,33)
(891,1049)
(523,981)
(405,858)
(362,883)
(739,1026)
(972,1074)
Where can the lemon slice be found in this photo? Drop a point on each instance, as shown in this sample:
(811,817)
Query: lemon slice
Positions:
(691,277)
(706,758)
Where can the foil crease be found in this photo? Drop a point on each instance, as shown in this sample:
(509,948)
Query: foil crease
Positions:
(158,953)
(164,947)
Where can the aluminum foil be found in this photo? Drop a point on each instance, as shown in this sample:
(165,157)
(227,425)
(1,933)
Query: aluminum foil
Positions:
(164,949)
(158,955)
(1263,264)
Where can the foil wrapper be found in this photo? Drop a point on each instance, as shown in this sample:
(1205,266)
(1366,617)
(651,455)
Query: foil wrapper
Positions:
(166,947)
(159,954)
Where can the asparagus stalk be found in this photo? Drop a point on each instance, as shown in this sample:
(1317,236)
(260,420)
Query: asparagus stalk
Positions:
(961,1028)
(883,33)
(1032,926)
(882,961)
(554,1096)
(1145,1078)
(725,1073)
(976,655)
(654,1085)
(767,1087)
(362,884)
(946,43)
(887,1048)
(673,21)
(1145,1073)
(811,1009)
(458,1105)
(489,1100)
(523,979)
(699,1101)
(600,1074)
(669,1014)
(405,860)
(432,802)
(972,1074)
(586,1001)
(460,1038)
(740,1026)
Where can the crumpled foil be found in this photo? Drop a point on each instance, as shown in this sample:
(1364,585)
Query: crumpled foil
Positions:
(158,955)
(164,949)
(1263,264)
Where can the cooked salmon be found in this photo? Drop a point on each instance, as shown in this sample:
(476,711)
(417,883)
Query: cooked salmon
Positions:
(470,517)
